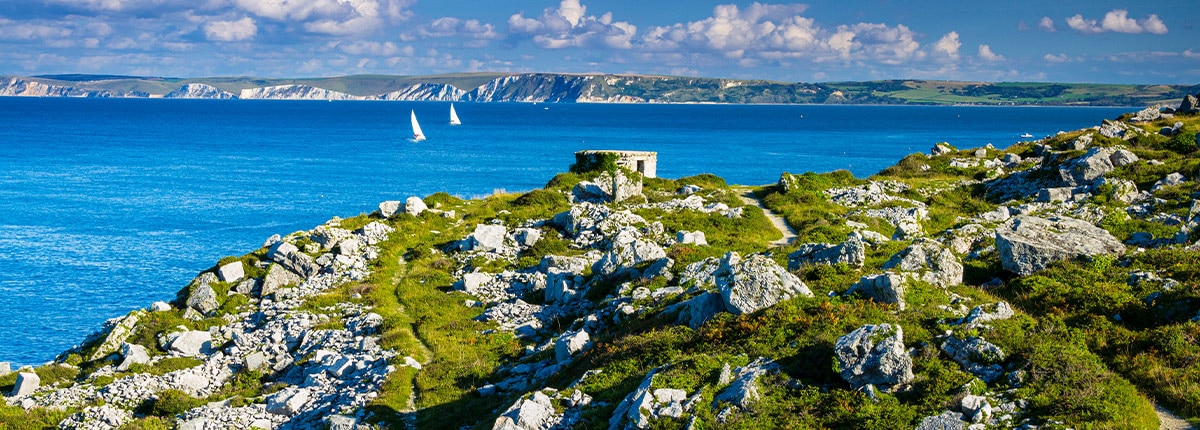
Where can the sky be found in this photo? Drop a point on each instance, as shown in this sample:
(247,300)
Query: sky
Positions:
(1097,41)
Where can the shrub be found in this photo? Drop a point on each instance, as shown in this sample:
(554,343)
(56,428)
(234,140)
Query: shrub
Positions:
(168,403)
(1183,143)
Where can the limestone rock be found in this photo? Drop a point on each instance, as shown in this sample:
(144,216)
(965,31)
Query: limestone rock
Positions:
(874,354)
(743,389)
(700,273)
(132,354)
(231,272)
(5,368)
(118,330)
(755,283)
(374,232)
(852,252)
(624,256)
(976,355)
(486,237)
(1088,167)
(1122,157)
(342,422)
(278,277)
(290,257)
(608,187)
(571,343)
(929,262)
(1171,179)
(948,420)
(190,343)
(787,183)
(160,306)
(989,312)
(976,408)
(1188,105)
(389,208)
(1028,244)
(691,237)
(940,149)
(533,413)
(883,288)
(27,383)
(203,299)
(698,310)
(631,409)
(246,287)
(289,401)
(561,264)
(414,205)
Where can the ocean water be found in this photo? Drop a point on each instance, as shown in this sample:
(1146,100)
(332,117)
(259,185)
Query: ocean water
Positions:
(107,205)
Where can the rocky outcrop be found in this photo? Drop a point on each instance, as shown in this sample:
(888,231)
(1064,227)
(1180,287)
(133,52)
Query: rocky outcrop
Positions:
(1028,244)
(929,262)
(754,283)
(976,355)
(608,187)
(874,354)
(742,391)
(27,383)
(624,256)
(425,91)
(882,288)
(290,257)
(295,92)
(852,252)
(531,87)
(1189,105)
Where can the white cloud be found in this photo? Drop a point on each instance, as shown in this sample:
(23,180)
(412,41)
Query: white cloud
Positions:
(1117,21)
(454,27)
(365,47)
(948,45)
(230,31)
(986,54)
(570,26)
(1047,24)
(335,17)
(1060,58)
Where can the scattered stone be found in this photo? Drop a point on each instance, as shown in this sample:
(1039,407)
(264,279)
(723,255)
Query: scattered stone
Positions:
(698,310)
(929,262)
(160,306)
(874,354)
(852,252)
(203,299)
(342,422)
(989,312)
(190,343)
(624,256)
(246,287)
(132,354)
(27,383)
(976,408)
(290,257)
(571,343)
(231,272)
(976,355)
(948,420)
(1122,157)
(1171,179)
(278,277)
(883,288)
(288,402)
(389,208)
(526,237)
(486,237)
(700,273)
(118,330)
(1152,113)
(1028,244)
(414,206)
(755,283)
(254,361)
(691,237)
(743,389)
(940,149)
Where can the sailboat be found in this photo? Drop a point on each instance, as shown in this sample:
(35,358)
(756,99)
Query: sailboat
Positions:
(418,135)
(454,116)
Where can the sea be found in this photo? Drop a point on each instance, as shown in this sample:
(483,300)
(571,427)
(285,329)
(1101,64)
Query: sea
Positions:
(107,205)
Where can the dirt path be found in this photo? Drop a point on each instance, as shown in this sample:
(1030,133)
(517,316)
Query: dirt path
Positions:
(789,234)
(1170,421)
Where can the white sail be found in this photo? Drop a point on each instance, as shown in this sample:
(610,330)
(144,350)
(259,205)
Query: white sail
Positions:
(418,135)
(453,116)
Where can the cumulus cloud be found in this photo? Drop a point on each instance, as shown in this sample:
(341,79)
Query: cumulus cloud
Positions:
(1117,21)
(986,54)
(569,25)
(335,17)
(1060,58)
(1047,24)
(230,31)
(948,45)
(476,33)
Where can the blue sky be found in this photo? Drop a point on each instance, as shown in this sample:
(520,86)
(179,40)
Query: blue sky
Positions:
(1015,40)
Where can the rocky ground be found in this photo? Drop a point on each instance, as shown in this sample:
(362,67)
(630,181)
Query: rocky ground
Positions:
(1053,284)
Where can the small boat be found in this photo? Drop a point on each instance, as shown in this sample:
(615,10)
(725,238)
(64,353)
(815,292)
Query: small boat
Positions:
(454,116)
(418,135)
(1026,136)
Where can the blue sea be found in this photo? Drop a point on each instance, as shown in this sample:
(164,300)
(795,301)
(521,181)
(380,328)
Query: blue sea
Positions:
(107,205)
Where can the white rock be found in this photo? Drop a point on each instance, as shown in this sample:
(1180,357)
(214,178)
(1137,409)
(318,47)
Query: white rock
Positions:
(191,343)
(414,205)
(389,208)
(132,354)
(288,402)
(570,344)
(160,306)
(231,272)
(27,383)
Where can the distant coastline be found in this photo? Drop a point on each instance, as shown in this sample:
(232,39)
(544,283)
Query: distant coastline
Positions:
(620,89)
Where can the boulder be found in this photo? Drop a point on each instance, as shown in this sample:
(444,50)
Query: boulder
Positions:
(688,190)
(608,187)
(700,273)
(698,310)
(414,205)
(290,257)
(328,236)
(5,368)
(342,422)
(254,360)
(882,288)
(132,354)
(1171,179)
(349,247)
(976,356)
(1122,157)
(633,408)
(755,283)
(874,354)
(940,149)
(989,312)
(160,306)
(486,237)
(27,383)
(1188,105)
(289,401)
(374,232)
(389,208)
(561,264)
(526,237)
(278,277)
(190,343)
(1088,167)
(1028,244)
(624,256)
(231,272)
(743,389)
(246,287)
(118,330)
(1152,113)
(571,343)
(535,412)
(691,237)
(203,299)
(852,252)
(976,408)
(929,262)
(948,420)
